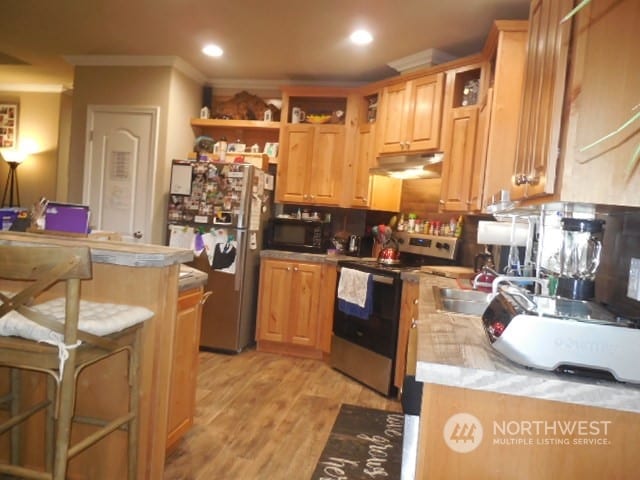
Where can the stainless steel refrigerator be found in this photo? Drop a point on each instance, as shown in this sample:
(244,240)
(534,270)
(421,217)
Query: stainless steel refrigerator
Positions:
(219,210)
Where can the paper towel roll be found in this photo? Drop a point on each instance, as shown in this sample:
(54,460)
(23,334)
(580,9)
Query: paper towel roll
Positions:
(499,233)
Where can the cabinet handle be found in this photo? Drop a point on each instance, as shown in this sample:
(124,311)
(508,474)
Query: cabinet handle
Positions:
(533,180)
(295,269)
(205,297)
(288,269)
(312,196)
(416,301)
(520,179)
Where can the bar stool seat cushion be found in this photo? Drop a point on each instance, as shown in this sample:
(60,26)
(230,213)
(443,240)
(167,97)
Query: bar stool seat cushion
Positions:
(97,318)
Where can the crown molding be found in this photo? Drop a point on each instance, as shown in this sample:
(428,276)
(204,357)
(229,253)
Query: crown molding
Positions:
(137,61)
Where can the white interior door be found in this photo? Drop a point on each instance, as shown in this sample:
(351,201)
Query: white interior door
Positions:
(120,165)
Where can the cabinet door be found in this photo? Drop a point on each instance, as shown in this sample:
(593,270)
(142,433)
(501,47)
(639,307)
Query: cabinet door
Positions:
(302,325)
(544,88)
(505,111)
(184,372)
(408,314)
(326,167)
(364,160)
(606,79)
(295,161)
(274,302)
(392,115)
(459,158)
(424,110)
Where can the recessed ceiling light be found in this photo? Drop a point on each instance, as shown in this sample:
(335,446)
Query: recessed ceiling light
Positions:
(212,50)
(361,37)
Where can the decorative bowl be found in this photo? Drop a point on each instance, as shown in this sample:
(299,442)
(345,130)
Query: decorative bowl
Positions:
(318,118)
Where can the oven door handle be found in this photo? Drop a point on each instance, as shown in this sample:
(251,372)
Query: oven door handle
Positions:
(379,278)
(382,279)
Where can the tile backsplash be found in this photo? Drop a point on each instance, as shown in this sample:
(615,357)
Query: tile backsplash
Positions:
(620,244)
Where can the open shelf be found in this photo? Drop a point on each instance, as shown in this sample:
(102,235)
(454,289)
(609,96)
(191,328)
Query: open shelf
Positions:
(243,124)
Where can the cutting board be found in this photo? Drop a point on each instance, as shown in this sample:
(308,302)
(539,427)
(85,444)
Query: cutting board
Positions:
(449,271)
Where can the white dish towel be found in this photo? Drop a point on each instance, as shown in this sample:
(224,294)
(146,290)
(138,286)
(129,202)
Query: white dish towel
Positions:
(352,286)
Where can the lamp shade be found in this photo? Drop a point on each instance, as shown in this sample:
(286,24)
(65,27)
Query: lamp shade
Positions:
(13,156)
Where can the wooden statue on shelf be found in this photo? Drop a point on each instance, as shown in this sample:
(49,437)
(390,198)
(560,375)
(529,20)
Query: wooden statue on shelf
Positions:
(244,106)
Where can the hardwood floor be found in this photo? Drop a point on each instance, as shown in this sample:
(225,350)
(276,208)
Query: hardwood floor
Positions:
(263,416)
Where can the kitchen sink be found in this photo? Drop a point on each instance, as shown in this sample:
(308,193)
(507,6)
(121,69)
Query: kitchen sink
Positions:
(470,302)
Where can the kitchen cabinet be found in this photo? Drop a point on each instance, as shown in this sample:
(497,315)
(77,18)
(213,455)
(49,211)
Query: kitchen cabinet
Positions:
(312,156)
(602,95)
(288,307)
(363,160)
(506,51)
(184,366)
(310,169)
(409,116)
(460,143)
(538,145)
(408,315)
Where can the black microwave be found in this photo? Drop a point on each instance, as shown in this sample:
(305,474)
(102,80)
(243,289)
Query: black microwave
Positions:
(298,235)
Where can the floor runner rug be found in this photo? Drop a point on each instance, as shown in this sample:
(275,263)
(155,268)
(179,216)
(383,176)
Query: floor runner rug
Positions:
(365,443)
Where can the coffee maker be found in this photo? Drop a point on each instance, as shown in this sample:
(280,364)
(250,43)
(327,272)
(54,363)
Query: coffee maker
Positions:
(579,257)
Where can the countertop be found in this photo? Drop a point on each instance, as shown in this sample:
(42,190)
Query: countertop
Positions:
(106,251)
(191,278)
(453,350)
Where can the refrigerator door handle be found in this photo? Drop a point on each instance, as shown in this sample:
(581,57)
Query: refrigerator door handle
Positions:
(240,260)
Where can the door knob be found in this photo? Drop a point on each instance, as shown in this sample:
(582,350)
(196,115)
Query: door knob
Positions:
(137,235)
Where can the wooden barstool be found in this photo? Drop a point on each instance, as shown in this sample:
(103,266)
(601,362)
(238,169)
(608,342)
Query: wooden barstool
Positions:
(60,337)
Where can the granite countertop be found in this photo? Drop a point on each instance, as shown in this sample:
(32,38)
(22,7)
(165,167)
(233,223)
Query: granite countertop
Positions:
(302,257)
(191,278)
(453,350)
(107,251)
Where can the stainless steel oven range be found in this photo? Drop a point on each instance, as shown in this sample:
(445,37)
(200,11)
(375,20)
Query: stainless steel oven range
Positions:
(364,339)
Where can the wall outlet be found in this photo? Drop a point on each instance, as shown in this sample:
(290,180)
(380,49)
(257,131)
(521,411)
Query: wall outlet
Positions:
(633,289)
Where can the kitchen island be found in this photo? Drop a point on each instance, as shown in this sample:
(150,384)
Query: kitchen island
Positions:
(136,274)
(485,417)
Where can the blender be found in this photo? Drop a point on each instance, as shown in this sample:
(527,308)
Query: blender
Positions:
(579,257)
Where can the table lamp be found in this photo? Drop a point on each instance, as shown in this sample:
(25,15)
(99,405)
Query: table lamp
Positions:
(13,158)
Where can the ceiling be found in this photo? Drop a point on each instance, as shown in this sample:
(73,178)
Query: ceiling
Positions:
(278,41)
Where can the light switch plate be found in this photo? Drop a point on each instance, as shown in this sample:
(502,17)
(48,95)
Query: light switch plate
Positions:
(633,289)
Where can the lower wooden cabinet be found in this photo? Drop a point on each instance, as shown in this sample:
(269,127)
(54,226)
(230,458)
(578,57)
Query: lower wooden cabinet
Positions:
(291,317)
(184,372)
(408,314)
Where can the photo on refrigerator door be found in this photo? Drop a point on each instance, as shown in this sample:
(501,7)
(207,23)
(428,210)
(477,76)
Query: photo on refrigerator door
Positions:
(222,250)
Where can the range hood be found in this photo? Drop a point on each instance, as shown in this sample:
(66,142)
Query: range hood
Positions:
(407,167)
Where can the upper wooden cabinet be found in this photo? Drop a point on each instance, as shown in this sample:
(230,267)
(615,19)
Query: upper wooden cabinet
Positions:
(361,162)
(311,157)
(409,116)
(506,51)
(603,94)
(459,138)
(538,146)
(311,162)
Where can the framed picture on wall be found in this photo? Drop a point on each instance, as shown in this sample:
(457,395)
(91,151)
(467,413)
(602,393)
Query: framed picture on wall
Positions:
(8,125)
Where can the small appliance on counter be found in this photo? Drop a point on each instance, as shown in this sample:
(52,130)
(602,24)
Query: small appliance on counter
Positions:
(579,257)
(562,334)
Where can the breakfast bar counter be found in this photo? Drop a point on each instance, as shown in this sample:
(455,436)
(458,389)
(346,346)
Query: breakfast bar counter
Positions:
(486,417)
(134,274)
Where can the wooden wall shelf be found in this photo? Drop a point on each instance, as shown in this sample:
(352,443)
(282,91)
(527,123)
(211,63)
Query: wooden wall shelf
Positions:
(244,124)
